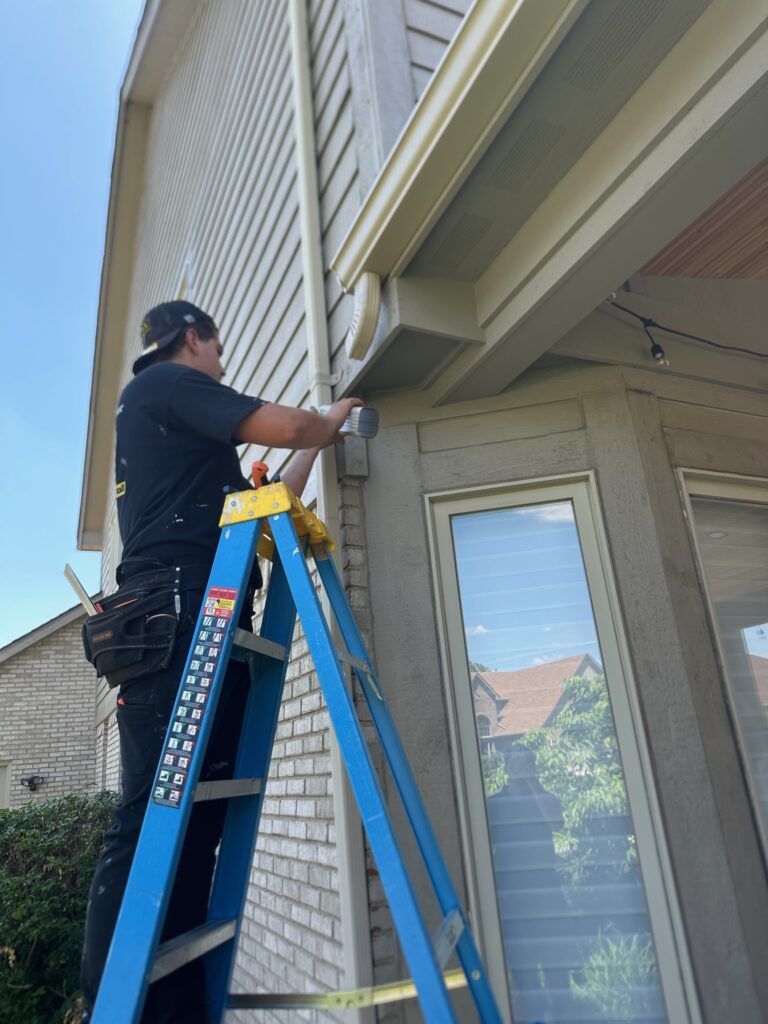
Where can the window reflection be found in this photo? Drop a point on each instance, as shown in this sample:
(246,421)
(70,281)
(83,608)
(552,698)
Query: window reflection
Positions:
(574,919)
(733,544)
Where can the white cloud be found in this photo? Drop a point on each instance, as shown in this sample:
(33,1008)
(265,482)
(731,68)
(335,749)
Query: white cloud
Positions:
(476,630)
(561,512)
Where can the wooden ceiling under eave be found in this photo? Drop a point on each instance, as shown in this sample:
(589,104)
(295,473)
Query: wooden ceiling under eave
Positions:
(729,240)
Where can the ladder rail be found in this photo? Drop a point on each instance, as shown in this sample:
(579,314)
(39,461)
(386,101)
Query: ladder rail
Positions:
(415,940)
(401,771)
(230,882)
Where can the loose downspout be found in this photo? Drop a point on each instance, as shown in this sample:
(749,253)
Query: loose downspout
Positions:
(353,890)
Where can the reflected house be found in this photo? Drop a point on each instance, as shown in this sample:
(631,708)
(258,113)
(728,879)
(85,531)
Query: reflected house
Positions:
(510,704)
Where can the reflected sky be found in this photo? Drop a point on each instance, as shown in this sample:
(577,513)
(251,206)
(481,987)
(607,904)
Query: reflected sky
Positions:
(523,587)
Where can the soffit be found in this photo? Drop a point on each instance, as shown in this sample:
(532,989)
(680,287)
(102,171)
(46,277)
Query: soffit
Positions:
(610,51)
(729,240)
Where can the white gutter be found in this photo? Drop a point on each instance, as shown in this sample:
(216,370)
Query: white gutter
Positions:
(353,887)
(497,53)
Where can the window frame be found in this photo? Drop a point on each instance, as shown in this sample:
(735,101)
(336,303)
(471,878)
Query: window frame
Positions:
(753,490)
(675,971)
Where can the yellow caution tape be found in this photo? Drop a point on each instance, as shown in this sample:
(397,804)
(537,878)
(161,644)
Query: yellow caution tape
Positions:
(352,999)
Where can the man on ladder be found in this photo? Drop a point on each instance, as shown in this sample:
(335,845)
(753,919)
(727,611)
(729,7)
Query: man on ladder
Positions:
(176,459)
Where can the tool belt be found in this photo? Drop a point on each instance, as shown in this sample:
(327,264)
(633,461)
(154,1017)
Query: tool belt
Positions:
(135,634)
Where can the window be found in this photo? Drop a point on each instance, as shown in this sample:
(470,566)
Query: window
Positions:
(568,892)
(730,525)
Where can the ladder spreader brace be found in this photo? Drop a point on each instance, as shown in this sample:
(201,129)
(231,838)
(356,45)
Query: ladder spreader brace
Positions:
(273,521)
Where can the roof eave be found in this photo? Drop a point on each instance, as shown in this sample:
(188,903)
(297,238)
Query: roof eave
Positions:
(496,55)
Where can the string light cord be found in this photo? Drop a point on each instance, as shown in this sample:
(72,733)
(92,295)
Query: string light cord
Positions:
(648,322)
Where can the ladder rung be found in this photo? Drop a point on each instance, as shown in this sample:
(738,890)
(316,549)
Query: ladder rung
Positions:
(346,1000)
(447,935)
(350,659)
(222,789)
(190,946)
(245,641)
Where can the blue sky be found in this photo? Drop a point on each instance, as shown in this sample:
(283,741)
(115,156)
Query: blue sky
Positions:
(523,587)
(61,66)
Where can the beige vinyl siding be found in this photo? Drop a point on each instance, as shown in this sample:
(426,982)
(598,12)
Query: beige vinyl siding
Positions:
(431,26)
(220,194)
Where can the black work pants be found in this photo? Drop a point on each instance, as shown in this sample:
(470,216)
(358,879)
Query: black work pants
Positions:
(143,712)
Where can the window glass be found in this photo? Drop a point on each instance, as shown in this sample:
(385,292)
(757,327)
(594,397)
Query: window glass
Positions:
(574,920)
(732,538)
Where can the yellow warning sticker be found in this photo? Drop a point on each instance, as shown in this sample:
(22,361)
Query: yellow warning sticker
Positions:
(120,489)
(225,604)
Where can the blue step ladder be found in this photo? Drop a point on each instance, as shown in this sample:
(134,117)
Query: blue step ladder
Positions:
(273,521)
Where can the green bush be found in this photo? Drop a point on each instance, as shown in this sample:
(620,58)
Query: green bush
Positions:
(48,853)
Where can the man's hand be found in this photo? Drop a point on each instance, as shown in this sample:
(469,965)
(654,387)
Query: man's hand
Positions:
(281,426)
(337,415)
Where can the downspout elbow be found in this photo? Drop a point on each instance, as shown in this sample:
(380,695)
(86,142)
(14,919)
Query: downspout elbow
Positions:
(365,316)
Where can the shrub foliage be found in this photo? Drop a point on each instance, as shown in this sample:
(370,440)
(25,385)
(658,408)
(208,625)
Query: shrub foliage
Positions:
(48,853)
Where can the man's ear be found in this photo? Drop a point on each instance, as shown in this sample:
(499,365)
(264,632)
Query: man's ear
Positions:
(191,340)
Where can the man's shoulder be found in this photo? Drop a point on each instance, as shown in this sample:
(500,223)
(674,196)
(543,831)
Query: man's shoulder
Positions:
(154,380)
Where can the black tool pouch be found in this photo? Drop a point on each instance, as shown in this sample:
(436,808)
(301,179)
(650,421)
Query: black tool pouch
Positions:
(133,636)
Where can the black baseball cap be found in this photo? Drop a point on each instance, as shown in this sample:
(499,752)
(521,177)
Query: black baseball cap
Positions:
(163,324)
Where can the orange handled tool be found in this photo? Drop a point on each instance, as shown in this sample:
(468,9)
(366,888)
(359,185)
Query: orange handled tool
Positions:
(259,472)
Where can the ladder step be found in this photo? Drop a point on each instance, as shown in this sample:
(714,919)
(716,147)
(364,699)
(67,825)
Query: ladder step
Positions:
(245,642)
(223,789)
(350,659)
(447,935)
(187,947)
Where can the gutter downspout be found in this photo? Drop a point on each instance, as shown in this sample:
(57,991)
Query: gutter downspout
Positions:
(353,887)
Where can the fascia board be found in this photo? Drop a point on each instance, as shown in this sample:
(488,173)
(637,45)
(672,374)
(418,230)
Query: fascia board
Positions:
(116,274)
(163,24)
(688,134)
(496,55)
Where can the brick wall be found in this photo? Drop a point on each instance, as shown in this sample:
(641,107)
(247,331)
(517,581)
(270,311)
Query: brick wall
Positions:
(47,717)
(387,958)
(291,933)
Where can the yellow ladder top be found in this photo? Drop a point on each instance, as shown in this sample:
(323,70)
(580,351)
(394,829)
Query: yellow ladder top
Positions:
(270,500)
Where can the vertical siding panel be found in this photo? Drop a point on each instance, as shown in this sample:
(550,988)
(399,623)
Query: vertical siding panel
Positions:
(338,171)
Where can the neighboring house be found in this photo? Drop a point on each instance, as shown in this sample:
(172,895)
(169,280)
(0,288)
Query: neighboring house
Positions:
(543,482)
(510,704)
(46,714)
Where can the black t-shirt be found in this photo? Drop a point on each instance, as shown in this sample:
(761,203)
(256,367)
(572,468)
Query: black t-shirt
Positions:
(175,461)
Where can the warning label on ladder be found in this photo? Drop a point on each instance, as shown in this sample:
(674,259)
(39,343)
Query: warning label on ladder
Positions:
(188,716)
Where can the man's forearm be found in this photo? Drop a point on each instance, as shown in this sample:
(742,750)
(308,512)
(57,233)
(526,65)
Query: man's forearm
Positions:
(296,473)
(282,426)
